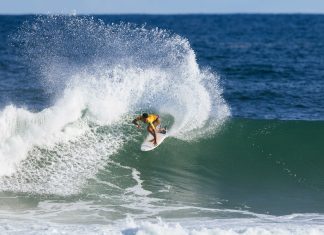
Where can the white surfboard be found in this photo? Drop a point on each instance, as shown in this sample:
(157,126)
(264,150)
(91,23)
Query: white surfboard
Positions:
(148,145)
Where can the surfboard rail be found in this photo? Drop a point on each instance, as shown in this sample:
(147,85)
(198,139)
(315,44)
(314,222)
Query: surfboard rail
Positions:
(148,145)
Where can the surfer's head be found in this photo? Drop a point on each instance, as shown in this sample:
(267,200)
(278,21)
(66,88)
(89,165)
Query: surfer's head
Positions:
(145,115)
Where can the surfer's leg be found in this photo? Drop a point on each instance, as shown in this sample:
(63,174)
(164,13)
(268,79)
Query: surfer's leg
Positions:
(156,123)
(152,132)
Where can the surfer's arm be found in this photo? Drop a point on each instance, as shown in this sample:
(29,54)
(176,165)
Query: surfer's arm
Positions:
(135,122)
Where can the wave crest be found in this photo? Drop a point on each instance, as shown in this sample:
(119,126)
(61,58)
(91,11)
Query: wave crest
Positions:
(102,75)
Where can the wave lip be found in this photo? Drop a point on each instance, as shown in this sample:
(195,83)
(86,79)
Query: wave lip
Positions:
(102,75)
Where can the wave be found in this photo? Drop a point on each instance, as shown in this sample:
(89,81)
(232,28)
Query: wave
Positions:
(102,75)
(267,225)
(264,166)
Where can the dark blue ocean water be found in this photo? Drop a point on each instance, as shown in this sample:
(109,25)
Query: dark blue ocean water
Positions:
(70,159)
(271,66)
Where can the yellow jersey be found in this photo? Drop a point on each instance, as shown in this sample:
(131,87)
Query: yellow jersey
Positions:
(151,118)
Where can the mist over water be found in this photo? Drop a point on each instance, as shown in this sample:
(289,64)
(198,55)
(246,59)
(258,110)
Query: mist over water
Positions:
(101,76)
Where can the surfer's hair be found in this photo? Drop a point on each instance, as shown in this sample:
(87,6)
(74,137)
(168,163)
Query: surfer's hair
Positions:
(144,115)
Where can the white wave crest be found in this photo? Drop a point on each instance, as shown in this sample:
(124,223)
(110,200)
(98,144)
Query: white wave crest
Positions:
(103,75)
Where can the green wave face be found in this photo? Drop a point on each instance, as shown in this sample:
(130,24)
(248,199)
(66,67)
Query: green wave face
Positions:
(84,151)
(263,166)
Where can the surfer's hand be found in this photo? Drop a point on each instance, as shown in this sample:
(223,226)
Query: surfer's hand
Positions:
(138,126)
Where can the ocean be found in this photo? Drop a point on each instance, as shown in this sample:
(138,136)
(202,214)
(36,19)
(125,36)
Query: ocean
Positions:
(241,95)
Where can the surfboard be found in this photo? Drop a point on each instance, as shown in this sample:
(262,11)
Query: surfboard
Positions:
(148,146)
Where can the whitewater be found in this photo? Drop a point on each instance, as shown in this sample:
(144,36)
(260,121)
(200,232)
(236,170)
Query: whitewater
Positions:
(75,166)
(103,75)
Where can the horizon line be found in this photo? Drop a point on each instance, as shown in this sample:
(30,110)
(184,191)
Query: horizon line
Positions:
(165,14)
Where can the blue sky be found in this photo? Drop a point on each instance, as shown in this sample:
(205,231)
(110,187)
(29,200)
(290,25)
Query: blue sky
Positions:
(160,6)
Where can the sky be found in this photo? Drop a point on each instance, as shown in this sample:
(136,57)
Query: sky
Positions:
(159,6)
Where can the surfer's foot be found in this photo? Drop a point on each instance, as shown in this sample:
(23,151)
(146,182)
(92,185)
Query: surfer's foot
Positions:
(154,142)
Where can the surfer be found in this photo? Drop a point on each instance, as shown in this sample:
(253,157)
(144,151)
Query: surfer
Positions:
(153,120)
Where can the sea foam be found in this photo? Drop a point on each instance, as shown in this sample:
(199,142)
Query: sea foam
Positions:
(102,75)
